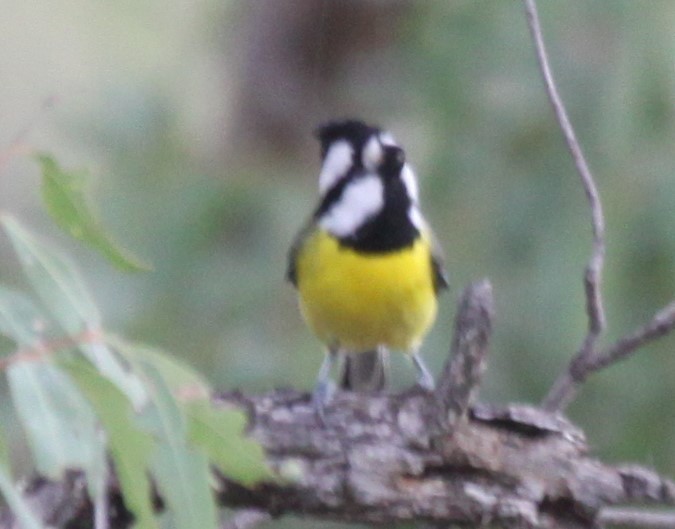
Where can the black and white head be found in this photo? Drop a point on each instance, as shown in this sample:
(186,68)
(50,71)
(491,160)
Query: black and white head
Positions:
(369,193)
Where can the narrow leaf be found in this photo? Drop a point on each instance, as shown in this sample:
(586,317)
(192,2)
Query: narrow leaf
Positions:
(60,425)
(55,279)
(182,477)
(220,432)
(4,451)
(16,502)
(64,294)
(182,474)
(64,195)
(130,447)
(182,379)
(20,318)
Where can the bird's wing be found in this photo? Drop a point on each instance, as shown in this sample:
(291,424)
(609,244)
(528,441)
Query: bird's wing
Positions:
(298,241)
(440,278)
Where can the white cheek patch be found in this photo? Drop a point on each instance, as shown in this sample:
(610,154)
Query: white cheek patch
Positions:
(372,153)
(417,219)
(336,164)
(410,183)
(360,201)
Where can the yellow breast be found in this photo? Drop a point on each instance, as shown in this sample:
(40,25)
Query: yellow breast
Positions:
(361,301)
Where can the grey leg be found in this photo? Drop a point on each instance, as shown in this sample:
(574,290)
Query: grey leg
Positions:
(424,377)
(325,387)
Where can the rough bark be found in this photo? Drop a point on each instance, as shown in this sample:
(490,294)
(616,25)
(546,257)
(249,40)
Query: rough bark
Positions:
(385,459)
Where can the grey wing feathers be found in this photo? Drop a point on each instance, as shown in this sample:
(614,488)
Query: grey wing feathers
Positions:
(291,268)
(440,275)
(441,281)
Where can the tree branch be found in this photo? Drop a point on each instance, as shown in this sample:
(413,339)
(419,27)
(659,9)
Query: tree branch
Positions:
(637,517)
(458,385)
(382,459)
(558,397)
(587,360)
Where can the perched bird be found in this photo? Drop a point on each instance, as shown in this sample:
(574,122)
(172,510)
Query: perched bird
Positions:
(365,265)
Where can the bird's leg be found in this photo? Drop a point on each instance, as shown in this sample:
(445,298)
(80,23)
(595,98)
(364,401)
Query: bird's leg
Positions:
(325,387)
(424,377)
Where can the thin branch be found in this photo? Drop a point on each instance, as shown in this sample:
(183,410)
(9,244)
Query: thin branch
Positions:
(613,516)
(593,273)
(458,386)
(661,324)
(566,386)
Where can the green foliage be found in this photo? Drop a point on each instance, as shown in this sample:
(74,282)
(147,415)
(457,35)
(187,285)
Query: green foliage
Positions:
(130,447)
(63,195)
(60,287)
(220,433)
(16,502)
(79,397)
(12,493)
(215,429)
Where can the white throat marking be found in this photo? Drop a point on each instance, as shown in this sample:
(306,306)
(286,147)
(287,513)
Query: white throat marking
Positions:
(335,166)
(361,200)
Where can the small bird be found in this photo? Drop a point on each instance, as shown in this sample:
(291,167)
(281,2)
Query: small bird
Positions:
(366,265)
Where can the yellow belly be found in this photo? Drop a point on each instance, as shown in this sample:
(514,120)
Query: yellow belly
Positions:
(361,301)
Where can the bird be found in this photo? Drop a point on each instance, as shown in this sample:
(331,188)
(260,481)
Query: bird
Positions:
(366,265)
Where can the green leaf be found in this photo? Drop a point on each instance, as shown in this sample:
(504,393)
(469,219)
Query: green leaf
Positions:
(20,318)
(183,478)
(220,432)
(55,279)
(64,196)
(16,502)
(65,295)
(182,474)
(60,425)
(182,379)
(130,447)
(4,451)
(217,430)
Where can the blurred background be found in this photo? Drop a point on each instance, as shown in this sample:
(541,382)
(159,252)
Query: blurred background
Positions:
(195,118)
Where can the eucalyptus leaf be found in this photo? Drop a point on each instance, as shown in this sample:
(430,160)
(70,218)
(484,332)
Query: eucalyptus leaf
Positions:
(4,451)
(63,193)
(130,446)
(182,474)
(55,280)
(16,502)
(59,423)
(220,432)
(217,430)
(182,379)
(64,294)
(20,318)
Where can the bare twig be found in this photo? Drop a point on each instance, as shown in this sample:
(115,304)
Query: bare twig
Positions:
(661,324)
(458,385)
(616,516)
(557,398)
